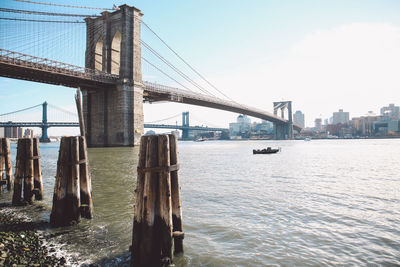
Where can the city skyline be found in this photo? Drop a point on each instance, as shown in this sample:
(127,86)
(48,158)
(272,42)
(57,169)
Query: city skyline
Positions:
(322,56)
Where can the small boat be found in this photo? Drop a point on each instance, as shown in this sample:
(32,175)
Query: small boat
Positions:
(266,151)
(307,139)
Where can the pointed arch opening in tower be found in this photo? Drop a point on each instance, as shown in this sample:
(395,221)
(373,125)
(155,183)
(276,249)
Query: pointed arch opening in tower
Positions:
(98,55)
(116,53)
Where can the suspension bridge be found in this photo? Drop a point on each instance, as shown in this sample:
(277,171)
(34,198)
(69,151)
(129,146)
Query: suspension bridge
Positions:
(66,118)
(111,81)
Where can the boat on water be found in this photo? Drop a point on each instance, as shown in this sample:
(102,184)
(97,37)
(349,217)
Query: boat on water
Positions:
(268,150)
(307,139)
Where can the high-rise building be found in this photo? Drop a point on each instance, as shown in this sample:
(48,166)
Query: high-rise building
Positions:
(391,111)
(318,124)
(8,132)
(13,132)
(241,127)
(298,118)
(340,117)
(19,132)
(1,132)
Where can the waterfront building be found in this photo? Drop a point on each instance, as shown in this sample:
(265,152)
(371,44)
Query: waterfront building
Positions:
(391,111)
(298,118)
(318,124)
(13,132)
(1,132)
(387,126)
(364,125)
(241,127)
(340,117)
(28,133)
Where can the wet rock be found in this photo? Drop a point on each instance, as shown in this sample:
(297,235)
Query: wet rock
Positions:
(20,245)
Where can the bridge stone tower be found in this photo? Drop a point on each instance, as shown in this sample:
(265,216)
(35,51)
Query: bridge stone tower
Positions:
(283,131)
(114,115)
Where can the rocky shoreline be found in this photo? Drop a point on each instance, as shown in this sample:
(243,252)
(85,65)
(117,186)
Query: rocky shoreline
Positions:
(21,244)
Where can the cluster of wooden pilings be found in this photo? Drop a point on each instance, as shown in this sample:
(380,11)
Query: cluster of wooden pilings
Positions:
(5,164)
(28,172)
(72,190)
(157,226)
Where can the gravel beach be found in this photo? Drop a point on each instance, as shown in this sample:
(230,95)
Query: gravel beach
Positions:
(21,243)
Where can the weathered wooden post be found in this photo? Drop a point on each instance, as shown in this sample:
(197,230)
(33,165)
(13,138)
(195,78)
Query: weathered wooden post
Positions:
(85,181)
(19,172)
(72,172)
(7,152)
(5,164)
(176,198)
(2,167)
(60,185)
(37,171)
(28,176)
(153,224)
(164,214)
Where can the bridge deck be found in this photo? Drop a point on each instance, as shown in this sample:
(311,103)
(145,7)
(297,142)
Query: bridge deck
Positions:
(26,67)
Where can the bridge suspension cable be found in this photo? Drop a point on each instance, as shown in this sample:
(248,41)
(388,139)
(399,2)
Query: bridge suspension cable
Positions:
(38,20)
(160,70)
(169,64)
(185,62)
(63,110)
(51,4)
(201,120)
(20,110)
(166,119)
(31,12)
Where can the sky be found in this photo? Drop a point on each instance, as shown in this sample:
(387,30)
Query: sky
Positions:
(321,55)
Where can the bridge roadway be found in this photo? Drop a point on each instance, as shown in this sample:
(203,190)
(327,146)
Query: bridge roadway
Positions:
(26,67)
(76,124)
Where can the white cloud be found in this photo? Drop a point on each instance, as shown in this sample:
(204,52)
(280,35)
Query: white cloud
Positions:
(354,67)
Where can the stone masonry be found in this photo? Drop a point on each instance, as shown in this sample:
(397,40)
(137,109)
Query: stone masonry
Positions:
(114,116)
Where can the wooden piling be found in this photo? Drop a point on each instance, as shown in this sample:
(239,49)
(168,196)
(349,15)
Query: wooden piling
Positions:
(176,198)
(164,213)
(5,164)
(85,181)
(37,171)
(28,172)
(2,167)
(7,159)
(137,250)
(153,224)
(71,167)
(28,177)
(60,185)
(19,172)
(73,199)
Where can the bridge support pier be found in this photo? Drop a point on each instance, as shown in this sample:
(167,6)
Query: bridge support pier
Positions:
(283,131)
(114,116)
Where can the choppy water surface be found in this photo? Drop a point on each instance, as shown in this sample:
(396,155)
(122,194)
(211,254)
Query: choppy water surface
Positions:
(324,202)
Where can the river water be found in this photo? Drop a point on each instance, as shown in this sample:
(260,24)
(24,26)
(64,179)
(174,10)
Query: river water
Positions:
(318,203)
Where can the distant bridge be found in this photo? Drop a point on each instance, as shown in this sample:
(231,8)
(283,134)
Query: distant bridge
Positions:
(45,124)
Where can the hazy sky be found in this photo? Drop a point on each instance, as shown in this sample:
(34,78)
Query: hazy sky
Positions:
(322,55)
